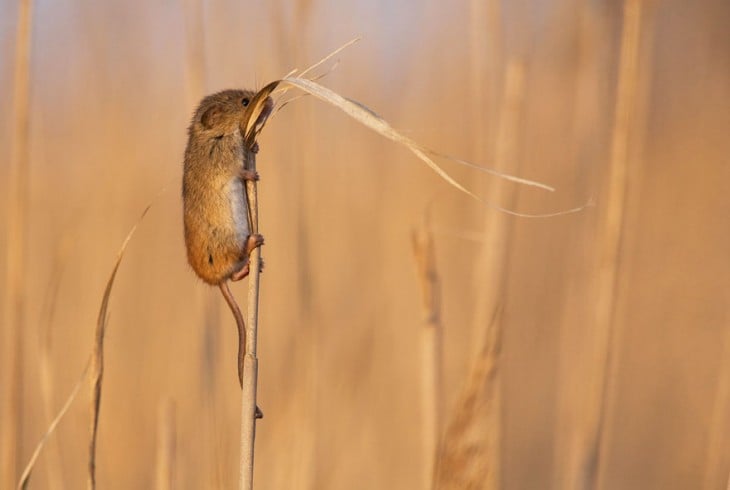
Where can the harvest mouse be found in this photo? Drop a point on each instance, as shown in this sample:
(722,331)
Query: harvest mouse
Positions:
(218,235)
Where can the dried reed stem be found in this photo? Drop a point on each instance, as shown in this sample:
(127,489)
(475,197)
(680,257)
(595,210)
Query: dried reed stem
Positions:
(194,15)
(587,467)
(166,442)
(469,456)
(17,216)
(469,453)
(491,266)
(55,473)
(97,357)
(210,366)
(96,364)
(250,362)
(195,87)
(586,113)
(485,62)
(431,348)
(25,477)
(719,421)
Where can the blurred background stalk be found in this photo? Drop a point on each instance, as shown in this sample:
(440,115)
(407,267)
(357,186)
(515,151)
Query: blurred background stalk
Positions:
(14,304)
(601,384)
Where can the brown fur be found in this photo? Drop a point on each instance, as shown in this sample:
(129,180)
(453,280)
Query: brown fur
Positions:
(217,234)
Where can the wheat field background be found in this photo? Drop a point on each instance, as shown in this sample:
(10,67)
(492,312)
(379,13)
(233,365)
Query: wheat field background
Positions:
(529,87)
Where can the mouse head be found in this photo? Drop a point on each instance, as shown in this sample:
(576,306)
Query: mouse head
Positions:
(221,113)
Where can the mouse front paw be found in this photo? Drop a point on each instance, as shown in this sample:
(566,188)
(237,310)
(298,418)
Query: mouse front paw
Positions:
(250,175)
(252,242)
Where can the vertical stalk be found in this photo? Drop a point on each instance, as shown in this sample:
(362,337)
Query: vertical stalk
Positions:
(166,445)
(485,77)
(17,216)
(45,365)
(469,455)
(719,419)
(194,16)
(591,456)
(485,63)
(431,349)
(250,362)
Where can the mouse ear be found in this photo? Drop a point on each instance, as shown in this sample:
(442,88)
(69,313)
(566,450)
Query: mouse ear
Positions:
(211,116)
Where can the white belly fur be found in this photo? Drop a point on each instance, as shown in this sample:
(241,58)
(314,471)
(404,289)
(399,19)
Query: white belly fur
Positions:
(239,208)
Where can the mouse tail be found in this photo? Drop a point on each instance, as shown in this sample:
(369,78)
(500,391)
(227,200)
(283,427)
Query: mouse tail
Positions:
(239,323)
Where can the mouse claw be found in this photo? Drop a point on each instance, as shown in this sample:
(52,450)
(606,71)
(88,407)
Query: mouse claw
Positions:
(241,273)
(255,147)
(252,242)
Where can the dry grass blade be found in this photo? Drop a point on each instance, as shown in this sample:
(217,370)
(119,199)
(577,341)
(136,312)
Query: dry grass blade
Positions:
(329,56)
(355,110)
(25,477)
(370,119)
(491,171)
(97,357)
(334,98)
(280,105)
(466,458)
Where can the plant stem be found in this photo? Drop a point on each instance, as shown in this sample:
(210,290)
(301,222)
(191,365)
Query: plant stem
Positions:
(13,317)
(250,363)
(166,445)
(587,469)
(431,348)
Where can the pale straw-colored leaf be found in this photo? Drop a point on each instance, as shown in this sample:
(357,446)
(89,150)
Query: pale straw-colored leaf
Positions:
(25,477)
(97,357)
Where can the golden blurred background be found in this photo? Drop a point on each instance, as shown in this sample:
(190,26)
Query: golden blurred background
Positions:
(589,350)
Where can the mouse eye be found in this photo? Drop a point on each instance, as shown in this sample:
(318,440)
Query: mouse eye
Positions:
(245,102)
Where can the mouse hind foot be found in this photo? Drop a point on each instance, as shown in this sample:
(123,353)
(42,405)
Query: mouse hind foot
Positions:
(252,242)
